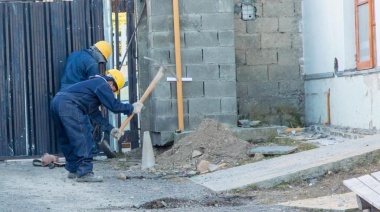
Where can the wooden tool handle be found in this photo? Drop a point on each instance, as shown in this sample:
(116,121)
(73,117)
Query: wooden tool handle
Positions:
(152,85)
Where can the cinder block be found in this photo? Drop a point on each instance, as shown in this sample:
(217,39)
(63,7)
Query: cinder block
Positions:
(278,9)
(219,55)
(162,40)
(189,22)
(240,57)
(203,38)
(261,25)
(162,138)
(289,57)
(289,24)
(240,26)
(261,57)
(161,55)
(247,41)
(280,72)
(291,87)
(185,104)
(160,23)
(162,106)
(162,91)
(162,7)
(191,90)
(252,73)
(276,40)
(241,90)
(220,21)
(194,121)
(227,72)
(220,89)
(191,55)
(297,41)
(226,6)
(262,89)
(207,6)
(164,123)
(202,106)
(228,105)
(203,72)
(226,38)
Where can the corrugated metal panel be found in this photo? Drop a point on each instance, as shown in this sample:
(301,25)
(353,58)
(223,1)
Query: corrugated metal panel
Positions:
(35,39)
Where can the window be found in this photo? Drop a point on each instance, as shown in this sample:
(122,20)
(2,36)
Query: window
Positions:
(365,34)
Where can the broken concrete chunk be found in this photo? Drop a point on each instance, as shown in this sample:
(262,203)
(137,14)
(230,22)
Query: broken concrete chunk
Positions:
(203,166)
(196,153)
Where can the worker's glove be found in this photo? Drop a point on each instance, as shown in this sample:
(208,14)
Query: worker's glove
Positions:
(137,106)
(116,133)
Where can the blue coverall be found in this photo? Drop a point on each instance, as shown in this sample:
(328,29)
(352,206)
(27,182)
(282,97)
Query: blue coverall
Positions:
(70,109)
(80,66)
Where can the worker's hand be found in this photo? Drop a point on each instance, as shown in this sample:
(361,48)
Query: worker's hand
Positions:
(137,106)
(116,133)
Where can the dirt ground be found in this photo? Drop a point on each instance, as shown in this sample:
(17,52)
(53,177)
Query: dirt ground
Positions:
(166,186)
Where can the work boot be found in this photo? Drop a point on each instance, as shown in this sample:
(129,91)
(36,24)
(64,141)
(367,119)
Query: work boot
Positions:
(90,177)
(72,175)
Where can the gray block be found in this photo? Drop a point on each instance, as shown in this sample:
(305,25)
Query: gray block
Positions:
(160,23)
(297,41)
(276,40)
(289,24)
(220,21)
(161,55)
(160,7)
(164,123)
(289,57)
(203,72)
(161,91)
(278,9)
(240,57)
(201,106)
(261,25)
(185,104)
(247,41)
(261,57)
(279,72)
(220,89)
(189,22)
(240,26)
(191,55)
(195,7)
(194,121)
(203,39)
(227,72)
(192,90)
(242,90)
(162,107)
(252,73)
(162,40)
(291,87)
(162,138)
(228,105)
(225,6)
(226,38)
(219,55)
(262,89)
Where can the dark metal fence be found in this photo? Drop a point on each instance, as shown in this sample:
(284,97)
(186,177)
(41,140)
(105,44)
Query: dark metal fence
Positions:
(35,39)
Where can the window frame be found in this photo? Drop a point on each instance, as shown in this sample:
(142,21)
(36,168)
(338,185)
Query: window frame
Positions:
(367,64)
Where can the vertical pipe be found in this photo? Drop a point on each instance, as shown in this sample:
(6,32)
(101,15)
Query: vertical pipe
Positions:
(178,64)
(328,122)
(132,79)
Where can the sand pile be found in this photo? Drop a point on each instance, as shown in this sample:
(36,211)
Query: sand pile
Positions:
(215,142)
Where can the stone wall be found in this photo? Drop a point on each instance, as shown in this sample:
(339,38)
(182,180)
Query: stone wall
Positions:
(270,83)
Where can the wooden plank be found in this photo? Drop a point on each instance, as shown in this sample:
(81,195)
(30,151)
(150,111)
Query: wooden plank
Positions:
(371,183)
(363,191)
(376,175)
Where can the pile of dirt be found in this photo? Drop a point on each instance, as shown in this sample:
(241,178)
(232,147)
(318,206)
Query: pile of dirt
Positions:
(212,142)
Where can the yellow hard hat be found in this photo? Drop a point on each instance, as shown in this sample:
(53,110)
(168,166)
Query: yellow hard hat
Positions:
(118,77)
(105,48)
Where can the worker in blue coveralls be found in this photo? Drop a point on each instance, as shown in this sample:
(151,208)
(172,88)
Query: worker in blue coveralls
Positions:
(70,109)
(81,65)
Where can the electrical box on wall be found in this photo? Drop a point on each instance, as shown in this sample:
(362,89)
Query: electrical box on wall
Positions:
(247,12)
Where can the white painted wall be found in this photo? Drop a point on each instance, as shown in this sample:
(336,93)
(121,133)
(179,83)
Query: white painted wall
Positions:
(329,32)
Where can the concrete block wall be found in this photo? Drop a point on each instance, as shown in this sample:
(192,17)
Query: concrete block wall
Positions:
(268,60)
(208,57)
